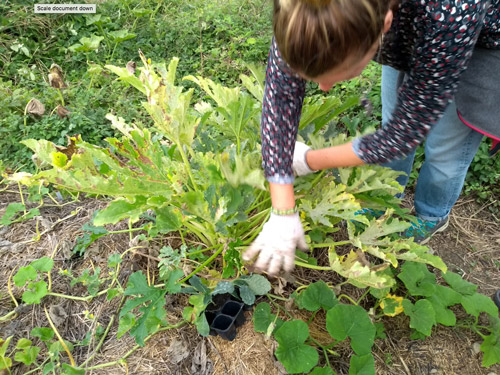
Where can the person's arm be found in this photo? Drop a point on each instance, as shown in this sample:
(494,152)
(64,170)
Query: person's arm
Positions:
(281,110)
(274,248)
(333,157)
(447,41)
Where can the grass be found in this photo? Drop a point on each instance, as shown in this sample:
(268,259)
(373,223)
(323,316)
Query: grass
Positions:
(216,39)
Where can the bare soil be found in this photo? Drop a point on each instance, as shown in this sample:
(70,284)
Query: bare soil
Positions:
(470,246)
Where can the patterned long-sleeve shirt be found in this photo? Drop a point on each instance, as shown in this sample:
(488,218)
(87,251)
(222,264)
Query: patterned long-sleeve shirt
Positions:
(430,40)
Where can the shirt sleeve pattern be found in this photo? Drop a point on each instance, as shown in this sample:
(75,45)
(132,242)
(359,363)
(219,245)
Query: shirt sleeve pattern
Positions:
(281,109)
(446,33)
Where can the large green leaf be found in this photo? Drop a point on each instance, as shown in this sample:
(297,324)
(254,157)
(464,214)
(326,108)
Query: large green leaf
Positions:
(478,303)
(370,178)
(247,295)
(344,321)
(43,333)
(242,171)
(263,320)
(121,209)
(491,349)
(35,292)
(151,302)
(240,120)
(44,264)
(422,315)
(28,353)
(442,298)
(417,279)
(458,284)
(322,371)
(377,230)
(25,274)
(87,44)
(317,295)
(121,35)
(296,356)
(255,84)
(331,201)
(362,365)
(96,170)
(257,283)
(124,75)
(168,219)
(10,213)
(222,95)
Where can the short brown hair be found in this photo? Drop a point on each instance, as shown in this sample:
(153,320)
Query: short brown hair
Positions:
(315,36)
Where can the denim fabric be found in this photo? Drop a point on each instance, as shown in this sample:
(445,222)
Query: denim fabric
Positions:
(449,150)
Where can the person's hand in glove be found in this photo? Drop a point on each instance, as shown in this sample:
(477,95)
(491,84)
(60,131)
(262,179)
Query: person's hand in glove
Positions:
(300,166)
(276,244)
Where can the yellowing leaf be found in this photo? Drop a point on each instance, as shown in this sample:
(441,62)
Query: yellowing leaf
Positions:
(392,305)
(359,274)
(59,159)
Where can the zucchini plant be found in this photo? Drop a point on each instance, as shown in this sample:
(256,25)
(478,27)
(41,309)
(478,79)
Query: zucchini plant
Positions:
(195,170)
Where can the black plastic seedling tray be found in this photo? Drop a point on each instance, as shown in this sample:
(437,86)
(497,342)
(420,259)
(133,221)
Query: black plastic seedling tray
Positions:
(224,316)
(496,298)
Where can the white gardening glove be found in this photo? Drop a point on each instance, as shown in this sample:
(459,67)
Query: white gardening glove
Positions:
(276,244)
(300,167)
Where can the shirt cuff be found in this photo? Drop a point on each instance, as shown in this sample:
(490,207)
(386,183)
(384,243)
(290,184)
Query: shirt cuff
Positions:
(281,179)
(356,144)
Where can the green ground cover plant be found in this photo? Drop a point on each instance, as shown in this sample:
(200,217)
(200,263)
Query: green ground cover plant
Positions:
(196,172)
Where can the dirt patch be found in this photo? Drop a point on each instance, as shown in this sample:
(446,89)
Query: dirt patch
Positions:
(250,353)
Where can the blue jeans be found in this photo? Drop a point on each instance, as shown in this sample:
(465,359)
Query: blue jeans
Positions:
(449,150)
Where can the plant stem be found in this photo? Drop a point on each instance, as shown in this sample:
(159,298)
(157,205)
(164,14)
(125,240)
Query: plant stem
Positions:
(313,315)
(277,297)
(53,225)
(318,177)
(126,230)
(258,204)
(38,368)
(101,341)
(5,364)
(306,265)
(325,353)
(182,238)
(77,298)
(61,341)
(363,296)
(257,217)
(279,307)
(201,251)
(348,298)
(49,275)
(203,265)
(113,52)
(329,244)
(60,96)
(200,233)
(22,197)
(325,348)
(8,316)
(9,287)
(187,165)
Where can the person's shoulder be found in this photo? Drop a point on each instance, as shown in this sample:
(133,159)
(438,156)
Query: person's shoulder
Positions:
(279,62)
(452,7)
(444,13)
